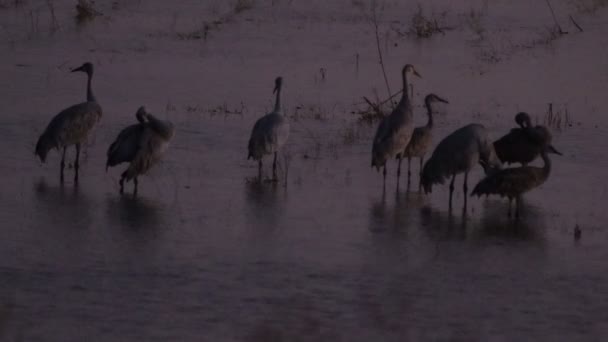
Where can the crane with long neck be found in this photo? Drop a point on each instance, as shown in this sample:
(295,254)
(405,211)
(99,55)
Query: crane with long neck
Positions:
(524,143)
(514,182)
(422,137)
(269,133)
(395,130)
(71,126)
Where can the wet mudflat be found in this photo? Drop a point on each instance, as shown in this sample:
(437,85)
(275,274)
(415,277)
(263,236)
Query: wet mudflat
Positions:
(206,252)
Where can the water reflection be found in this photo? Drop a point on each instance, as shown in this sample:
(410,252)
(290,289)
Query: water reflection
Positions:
(134,213)
(495,222)
(444,225)
(402,214)
(62,206)
(264,203)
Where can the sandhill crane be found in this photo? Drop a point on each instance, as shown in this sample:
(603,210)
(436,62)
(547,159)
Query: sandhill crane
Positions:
(524,144)
(71,126)
(125,146)
(269,133)
(457,153)
(422,137)
(395,131)
(141,144)
(514,182)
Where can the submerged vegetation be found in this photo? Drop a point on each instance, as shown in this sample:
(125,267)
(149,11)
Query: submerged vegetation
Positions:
(424,27)
(85,11)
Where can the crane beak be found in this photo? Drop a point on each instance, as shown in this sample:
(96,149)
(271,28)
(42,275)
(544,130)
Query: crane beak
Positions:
(552,149)
(80,68)
(417,74)
(442,100)
(276,88)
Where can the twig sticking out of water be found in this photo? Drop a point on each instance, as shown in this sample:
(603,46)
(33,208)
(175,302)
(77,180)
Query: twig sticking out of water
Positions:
(374,111)
(576,24)
(558,119)
(381,60)
(287,163)
(555,19)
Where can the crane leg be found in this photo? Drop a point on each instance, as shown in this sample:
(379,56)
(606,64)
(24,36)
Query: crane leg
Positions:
(510,202)
(122,184)
(420,174)
(452,188)
(274,167)
(399,167)
(384,174)
(465,187)
(135,186)
(517,205)
(260,168)
(62,164)
(409,171)
(77,163)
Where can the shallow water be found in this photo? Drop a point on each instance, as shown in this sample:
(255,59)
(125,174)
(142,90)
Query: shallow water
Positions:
(205,252)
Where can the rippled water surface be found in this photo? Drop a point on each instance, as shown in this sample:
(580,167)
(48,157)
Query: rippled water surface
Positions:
(206,252)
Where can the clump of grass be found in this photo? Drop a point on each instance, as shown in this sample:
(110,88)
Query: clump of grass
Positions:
(474,20)
(310,112)
(200,33)
(423,27)
(54,25)
(10,3)
(214,25)
(219,110)
(589,6)
(351,134)
(556,119)
(372,113)
(243,5)
(489,54)
(85,11)
(360,4)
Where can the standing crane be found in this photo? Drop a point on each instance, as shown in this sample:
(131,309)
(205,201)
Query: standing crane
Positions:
(269,133)
(514,182)
(422,137)
(524,144)
(141,145)
(71,126)
(458,153)
(395,131)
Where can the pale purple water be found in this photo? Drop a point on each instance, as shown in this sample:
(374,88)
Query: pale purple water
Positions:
(204,253)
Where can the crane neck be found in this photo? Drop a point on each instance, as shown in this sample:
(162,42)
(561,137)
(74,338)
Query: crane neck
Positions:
(90,96)
(163,128)
(405,105)
(429,113)
(277,101)
(547,163)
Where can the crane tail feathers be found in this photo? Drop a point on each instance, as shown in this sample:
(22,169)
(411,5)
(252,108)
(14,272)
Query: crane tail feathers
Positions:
(432,173)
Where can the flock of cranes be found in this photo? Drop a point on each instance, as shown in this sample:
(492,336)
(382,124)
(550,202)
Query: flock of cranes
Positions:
(461,150)
(142,145)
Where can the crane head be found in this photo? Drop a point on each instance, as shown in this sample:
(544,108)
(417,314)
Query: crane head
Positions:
(434,98)
(86,68)
(278,82)
(410,68)
(523,119)
(141,114)
(551,149)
